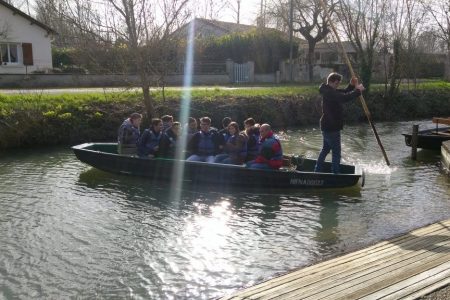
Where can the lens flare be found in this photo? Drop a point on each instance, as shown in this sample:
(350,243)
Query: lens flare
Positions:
(185,105)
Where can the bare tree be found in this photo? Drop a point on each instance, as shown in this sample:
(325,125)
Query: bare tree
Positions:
(16,3)
(309,20)
(235,6)
(429,42)
(403,27)
(415,18)
(393,37)
(209,9)
(23,5)
(51,13)
(361,20)
(440,12)
(143,27)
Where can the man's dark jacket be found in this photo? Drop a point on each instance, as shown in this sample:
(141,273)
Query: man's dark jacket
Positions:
(332,112)
(217,140)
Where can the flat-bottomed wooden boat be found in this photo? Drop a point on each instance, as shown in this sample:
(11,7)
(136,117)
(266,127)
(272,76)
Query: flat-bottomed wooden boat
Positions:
(297,176)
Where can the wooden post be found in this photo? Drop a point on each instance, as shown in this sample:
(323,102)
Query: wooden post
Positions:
(415,132)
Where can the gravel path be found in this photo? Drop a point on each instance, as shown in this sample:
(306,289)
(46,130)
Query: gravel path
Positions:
(441,294)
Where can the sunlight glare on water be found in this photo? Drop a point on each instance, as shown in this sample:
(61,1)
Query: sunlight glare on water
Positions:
(177,179)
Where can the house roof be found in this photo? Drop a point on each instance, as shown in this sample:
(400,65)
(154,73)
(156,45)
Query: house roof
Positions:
(24,15)
(219,26)
(228,27)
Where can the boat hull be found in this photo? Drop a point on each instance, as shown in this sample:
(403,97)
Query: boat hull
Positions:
(102,156)
(429,139)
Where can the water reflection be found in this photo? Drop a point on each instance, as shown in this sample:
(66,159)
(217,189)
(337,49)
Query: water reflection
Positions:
(217,227)
(327,235)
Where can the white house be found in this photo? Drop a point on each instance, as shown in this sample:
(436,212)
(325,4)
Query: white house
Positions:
(25,43)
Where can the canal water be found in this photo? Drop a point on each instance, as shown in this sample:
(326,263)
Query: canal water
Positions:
(68,230)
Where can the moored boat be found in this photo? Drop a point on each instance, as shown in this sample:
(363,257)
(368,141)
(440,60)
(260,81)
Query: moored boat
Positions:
(299,174)
(431,138)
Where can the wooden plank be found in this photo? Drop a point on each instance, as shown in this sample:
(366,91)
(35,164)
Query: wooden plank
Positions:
(249,292)
(340,266)
(442,121)
(359,283)
(362,254)
(313,282)
(414,284)
(442,133)
(344,268)
(395,277)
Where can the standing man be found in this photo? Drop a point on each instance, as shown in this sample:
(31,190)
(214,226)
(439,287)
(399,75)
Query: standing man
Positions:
(332,120)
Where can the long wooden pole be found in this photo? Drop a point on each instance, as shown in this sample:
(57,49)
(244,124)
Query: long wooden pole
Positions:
(349,65)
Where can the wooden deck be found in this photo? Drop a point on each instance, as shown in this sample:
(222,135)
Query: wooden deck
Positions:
(405,267)
(441,121)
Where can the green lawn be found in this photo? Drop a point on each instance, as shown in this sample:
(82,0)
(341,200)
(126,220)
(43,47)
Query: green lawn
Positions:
(247,92)
(49,101)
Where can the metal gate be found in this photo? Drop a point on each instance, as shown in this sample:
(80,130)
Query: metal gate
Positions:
(241,73)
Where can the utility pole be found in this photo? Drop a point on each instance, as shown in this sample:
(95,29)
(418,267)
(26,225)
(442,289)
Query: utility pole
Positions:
(238,11)
(291,33)
(262,14)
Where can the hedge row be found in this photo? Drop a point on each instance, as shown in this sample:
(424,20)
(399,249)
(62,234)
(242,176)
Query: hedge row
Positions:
(73,122)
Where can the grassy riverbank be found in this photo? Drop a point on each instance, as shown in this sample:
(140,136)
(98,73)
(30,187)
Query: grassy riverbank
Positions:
(43,119)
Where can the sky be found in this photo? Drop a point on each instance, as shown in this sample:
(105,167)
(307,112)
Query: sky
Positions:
(249,11)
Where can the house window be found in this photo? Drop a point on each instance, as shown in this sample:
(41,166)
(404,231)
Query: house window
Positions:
(9,53)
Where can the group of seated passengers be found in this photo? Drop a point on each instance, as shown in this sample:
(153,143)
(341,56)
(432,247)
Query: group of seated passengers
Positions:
(160,139)
(256,146)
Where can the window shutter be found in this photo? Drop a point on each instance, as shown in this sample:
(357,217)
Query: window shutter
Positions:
(27,50)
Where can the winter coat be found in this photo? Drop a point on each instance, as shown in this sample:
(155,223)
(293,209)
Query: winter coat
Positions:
(209,143)
(332,118)
(270,151)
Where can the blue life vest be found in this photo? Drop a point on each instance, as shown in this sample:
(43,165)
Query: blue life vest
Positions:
(266,148)
(149,141)
(226,135)
(206,144)
(253,144)
(128,134)
(171,139)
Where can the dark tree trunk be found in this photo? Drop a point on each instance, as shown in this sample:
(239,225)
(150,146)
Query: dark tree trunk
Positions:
(366,70)
(148,101)
(310,65)
(145,85)
(447,64)
(310,60)
(395,73)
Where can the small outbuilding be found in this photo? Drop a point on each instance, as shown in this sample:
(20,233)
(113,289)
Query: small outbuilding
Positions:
(25,43)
